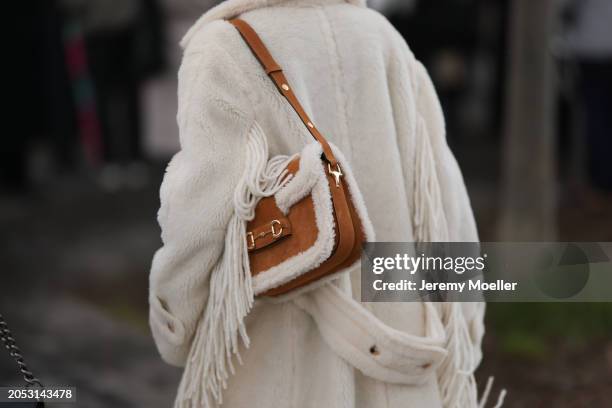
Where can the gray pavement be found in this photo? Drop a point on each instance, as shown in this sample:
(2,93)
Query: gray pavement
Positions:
(73,287)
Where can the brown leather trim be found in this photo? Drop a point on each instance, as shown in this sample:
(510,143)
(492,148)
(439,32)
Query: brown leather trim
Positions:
(360,237)
(278,77)
(303,218)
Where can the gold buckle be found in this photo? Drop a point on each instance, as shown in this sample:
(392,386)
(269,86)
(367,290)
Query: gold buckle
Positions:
(276,229)
(250,241)
(336,173)
(273,230)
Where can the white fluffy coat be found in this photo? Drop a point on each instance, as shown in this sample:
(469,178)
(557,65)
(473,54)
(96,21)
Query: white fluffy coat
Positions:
(367,93)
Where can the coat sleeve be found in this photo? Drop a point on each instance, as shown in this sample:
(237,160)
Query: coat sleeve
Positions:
(455,200)
(196,196)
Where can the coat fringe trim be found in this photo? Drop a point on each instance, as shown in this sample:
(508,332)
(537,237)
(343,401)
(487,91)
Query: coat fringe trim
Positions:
(429,218)
(485,395)
(221,327)
(456,372)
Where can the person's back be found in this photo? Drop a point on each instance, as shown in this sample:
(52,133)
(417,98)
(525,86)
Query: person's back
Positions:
(367,94)
(357,79)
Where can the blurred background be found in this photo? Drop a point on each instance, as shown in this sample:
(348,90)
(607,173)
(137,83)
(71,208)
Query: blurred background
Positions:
(526,87)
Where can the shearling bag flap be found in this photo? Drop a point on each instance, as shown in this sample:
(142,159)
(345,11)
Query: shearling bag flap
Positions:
(306,202)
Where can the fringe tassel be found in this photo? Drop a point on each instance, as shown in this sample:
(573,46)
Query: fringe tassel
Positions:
(221,327)
(456,373)
(429,217)
(485,395)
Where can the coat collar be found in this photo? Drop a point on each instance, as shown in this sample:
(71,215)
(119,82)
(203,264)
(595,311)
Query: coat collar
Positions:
(232,8)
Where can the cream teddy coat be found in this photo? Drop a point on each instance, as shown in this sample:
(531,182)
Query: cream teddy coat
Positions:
(368,94)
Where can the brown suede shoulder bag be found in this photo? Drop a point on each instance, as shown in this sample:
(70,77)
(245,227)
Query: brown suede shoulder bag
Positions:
(311,229)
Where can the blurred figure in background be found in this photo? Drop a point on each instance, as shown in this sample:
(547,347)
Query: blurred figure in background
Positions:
(589,42)
(123,47)
(39,94)
(80,70)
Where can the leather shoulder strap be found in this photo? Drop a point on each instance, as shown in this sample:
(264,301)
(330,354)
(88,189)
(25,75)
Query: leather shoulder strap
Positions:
(275,72)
